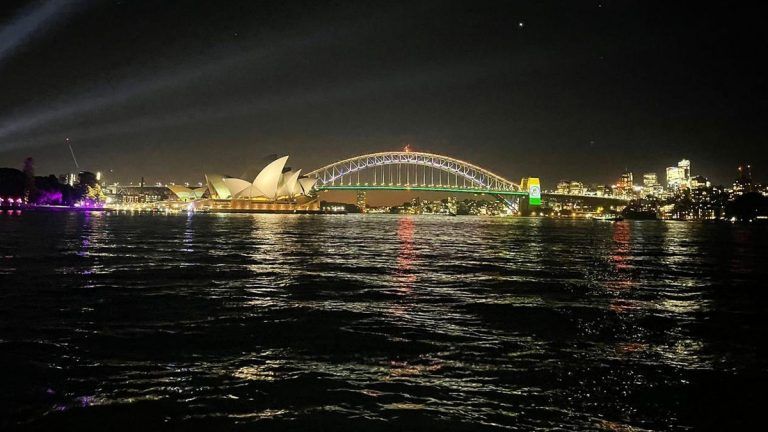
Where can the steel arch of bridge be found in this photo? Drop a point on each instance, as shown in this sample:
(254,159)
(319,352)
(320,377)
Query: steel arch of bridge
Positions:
(480,180)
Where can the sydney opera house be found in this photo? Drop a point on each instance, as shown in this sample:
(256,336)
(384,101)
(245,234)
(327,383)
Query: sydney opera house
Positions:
(276,189)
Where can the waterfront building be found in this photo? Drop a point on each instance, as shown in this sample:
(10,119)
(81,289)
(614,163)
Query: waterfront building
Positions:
(706,202)
(133,194)
(274,190)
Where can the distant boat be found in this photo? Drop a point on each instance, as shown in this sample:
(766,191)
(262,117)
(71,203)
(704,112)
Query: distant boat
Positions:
(609,217)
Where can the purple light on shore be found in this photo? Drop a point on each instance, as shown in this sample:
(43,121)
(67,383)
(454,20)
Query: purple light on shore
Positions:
(85,400)
(89,204)
(49,198)
(11,201)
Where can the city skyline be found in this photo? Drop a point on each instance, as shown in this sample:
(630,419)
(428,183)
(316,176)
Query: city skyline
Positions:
(574,90)
(391,178)
(662,175)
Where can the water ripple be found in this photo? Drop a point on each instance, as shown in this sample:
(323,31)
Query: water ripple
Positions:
(378,322)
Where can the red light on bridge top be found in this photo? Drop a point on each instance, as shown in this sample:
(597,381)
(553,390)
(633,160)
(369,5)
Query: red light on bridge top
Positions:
(407,148)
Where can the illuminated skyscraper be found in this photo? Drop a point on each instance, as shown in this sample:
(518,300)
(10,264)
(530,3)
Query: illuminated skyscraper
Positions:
(650,180)
(679,176)
(625,185)
(651,186)
(626,181)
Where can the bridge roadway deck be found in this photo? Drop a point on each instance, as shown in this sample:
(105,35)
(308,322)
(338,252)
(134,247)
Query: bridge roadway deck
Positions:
(354,187)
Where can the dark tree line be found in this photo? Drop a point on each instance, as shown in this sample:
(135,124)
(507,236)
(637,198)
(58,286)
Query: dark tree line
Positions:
(12,182)
(46,190)
(747,207)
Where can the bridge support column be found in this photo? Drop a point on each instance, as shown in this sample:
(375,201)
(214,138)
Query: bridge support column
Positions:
(511,202)
(526,209)
(533,201)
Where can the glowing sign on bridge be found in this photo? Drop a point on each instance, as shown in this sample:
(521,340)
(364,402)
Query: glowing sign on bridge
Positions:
(533,186)
(534,191)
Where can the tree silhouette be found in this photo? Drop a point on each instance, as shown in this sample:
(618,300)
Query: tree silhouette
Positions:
(29,179)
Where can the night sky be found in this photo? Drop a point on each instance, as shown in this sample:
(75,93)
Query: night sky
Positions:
(170,90)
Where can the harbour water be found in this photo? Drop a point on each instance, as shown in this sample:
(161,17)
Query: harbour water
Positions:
(379,322)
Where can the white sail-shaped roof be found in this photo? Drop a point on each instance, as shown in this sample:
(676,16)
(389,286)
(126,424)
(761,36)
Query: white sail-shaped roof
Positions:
(182,192)
(187,194)
(307,184)
(217,186)
(289,185)
(250,192)
(199,192)
(236,185)
(292,184)
(270,184)
(269,178)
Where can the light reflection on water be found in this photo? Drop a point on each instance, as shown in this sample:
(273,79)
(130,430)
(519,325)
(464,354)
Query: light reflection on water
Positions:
(375,322)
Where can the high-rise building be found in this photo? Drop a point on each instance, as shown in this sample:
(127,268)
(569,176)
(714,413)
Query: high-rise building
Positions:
(650,180)
(651,186)
(700,182)
(743,182)
(679,176)
(626,181)
(674,177)
(625,184)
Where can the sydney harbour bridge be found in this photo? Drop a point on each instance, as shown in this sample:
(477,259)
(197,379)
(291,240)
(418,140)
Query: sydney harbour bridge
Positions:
(418,171)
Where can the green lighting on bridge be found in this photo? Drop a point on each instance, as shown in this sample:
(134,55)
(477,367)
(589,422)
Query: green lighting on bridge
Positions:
(352,187)
(423,189)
